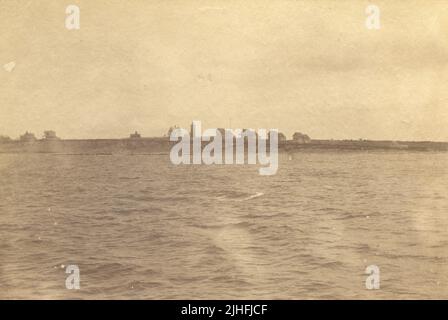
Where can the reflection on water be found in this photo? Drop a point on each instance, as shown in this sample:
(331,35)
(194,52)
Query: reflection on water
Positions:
(139,227)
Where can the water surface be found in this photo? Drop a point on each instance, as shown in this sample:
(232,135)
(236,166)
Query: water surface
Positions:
(139,227)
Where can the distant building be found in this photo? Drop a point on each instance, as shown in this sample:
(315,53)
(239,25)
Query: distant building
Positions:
(135,135)
(4,139)
(170,130)
(281,136)
(28,137)
(301,138)
(50,135)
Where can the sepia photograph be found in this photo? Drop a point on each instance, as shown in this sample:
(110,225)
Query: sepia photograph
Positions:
(225,150)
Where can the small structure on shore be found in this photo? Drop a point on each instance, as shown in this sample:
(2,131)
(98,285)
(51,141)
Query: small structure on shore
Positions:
(5,139)
(281,136)
(299,137)
(50,135)
(135,135)
(170,130)
(28,137)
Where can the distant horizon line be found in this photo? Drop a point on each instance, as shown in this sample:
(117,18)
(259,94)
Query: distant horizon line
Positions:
(5,138)
(52,135)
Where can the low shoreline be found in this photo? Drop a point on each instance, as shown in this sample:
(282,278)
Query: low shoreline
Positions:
(154,146)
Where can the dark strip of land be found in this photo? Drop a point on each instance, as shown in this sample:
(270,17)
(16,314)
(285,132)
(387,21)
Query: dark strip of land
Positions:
(163,145)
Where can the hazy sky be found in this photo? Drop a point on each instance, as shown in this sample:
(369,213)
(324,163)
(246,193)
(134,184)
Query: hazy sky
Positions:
(309,66)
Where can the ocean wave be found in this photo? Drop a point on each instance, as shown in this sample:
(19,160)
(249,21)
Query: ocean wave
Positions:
(242,224)
(239,197)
